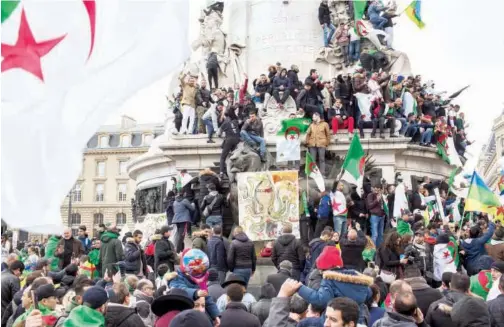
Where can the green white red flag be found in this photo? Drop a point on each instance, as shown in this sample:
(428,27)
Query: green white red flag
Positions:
(66,67)
(353,166)
(312,171)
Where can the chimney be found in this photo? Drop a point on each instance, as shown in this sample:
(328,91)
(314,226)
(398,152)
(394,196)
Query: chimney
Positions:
(127,122)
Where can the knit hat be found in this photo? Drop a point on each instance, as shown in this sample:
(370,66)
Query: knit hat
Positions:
(191,318)
(45,291)
(498,265)
(95,297)
(329,258)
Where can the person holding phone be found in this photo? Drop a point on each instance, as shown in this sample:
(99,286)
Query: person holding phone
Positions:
(68,248)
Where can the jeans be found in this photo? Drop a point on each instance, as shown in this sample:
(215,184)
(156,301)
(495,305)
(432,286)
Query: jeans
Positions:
(319,227)
(363,124)
(320,160)
(214,221)
(328,33)
(181,233)
(344,51)
(285,96)
(209,127)
(411,130)
(244,273)
(426,137)
(377,226)
(382,121)
(378,22)
(188,114)
(354,51)
(253,140)
(340,224)
(404,125)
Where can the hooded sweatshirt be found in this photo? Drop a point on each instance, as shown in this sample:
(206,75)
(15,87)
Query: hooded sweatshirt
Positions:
(51,246)
(288,248)
(111,250)
(84,316)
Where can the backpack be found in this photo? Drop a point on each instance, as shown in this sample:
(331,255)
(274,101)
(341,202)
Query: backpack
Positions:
(208,209)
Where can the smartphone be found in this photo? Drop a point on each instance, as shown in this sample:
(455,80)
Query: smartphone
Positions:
(35,300)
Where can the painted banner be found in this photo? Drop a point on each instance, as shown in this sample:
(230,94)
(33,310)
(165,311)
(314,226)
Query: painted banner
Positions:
(266,200)
(152,222)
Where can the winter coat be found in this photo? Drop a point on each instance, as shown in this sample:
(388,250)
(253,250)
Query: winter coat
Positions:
(216,209)
(188,94)
(191,288)
(86,243)
(393,319)
(215,290)
(474,248)
(424,294)
(343,90)
(337,283)
(143,306)
(169,210)
(374,205)
(134,258)
(206,177)
(261,309)
(182,210)
(279,81)
(279,313)
(417,202)
(263,87)
(217,254)
(278,279)
(253,127)
(77,251)
(351,251)
(496,309)
(165,253)
(10,286)
(439,311)
(286,247)
(316,246)
(316,89)
(118,315)
(241,253)
(324,14)
(495,250)
(204,95)
(199,241)
(306,100)
(318,135)
(111,250)
(294,79)
(237,312)
(390,261)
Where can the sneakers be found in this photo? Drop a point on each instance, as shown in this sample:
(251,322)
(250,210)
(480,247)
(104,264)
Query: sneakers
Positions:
(210,141)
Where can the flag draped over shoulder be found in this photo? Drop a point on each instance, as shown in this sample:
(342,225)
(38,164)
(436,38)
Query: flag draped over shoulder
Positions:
(67,66)
(400,200)
(353,166)
(445,257)
(480,197)
(413,12)
(312,171)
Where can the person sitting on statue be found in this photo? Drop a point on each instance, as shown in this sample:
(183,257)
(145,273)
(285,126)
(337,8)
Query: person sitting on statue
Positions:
(240,92)
(281,83)
(203,101)
(211,119)
(339,118)
(262,89)
(343,40)
(188,103)
(316,89)
(296,85)
(232,137)
(306,102)
(374,15)
(252,132)
(324,16)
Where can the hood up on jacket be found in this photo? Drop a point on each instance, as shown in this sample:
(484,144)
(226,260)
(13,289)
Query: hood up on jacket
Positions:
(107,236)
(286,239)
(242,237)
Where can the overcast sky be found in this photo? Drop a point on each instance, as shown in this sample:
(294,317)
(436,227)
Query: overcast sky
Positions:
(462,43)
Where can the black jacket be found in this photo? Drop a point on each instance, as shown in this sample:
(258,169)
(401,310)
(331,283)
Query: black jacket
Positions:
(169,209)
(281,81)
(416,202)
(204,95)
(424,294)
(241,253)
(324,14)
(351,251)
(278,279)
(165,253)
(496,309)
(439,311)
(374,204)
(263,87)
(236,313)
(231,128)
(134,258)
(10,285)
(217,253)
(390,261)
(207,177)
(121,316)
(316,89)
(294,79)
(288,248)
(216,209)
(305,99)
(332,112)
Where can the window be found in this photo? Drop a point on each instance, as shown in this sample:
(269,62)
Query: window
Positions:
(75,231)
(77,193)
(122,167)
(104,141)
(75,219)
(97,219)
(148,139)
(122,190)
(100,168)
(121,219)
(125,141)
(99,193)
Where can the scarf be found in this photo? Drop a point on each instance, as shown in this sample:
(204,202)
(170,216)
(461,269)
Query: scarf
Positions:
(201,281)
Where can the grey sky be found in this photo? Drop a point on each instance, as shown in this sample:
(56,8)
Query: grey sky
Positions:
(461,44)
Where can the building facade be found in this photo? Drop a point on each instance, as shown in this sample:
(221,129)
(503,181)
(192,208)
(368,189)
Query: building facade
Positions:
(492,152)
(103,191)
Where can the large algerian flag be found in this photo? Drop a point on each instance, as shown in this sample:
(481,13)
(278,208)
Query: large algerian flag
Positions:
(300,124)
(359,8)
(400,200)
(409,104)
(288,147)
(481,283)
(66,67)
(364,103)
(445,258)
(312,171)
(353,166)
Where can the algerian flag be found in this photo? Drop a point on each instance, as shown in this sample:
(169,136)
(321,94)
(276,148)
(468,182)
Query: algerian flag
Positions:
(400,200)
(301,124)
(353,166)
(338,204)
(288,147)
(66,67)
(403,227)
(312,171)
(359,9)
(481,283)
(453,156)
(364,103)
(409,104)
(444,259)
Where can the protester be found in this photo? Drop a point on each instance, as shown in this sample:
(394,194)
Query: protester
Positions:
(83,237)
(134,256)
(212,205)
(241,256)
(165,252)
(261,308)
(11,283)
(232,279)
(236,311)
(470,312)
(374,203)
(496,306)
(91,312)
(424,294)
(474,247)
(217,253)
(183,211)
(68,249)
(252,133)
(496,271)
(284,273)
(405,313)
(200,239)
(111,250)
(118,313)
(391,264)
(318,138)
(143,299)
(288,248)
(352,246)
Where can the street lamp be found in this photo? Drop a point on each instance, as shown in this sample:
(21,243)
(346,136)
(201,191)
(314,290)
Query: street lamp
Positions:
(70,194)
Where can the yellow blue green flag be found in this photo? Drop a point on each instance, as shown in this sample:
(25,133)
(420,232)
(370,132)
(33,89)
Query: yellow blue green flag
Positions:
(413,12)
(480,197)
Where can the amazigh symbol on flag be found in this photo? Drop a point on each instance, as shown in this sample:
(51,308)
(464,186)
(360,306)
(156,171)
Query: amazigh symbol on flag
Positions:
(27,53)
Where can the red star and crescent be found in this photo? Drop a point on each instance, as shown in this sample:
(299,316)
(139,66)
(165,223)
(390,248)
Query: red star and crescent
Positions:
(27,53)
(362,163)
